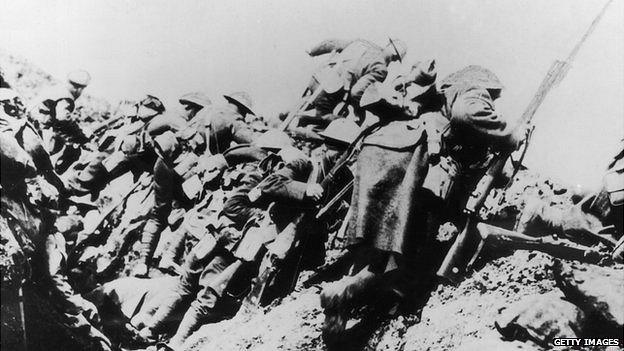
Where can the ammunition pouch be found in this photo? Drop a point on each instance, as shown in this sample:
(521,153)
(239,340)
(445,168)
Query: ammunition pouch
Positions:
(256,236)
(441,177)
(192,187)
(185,165)
(114,160)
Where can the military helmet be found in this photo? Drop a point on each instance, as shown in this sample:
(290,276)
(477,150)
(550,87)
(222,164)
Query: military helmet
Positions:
(153,103)
(341,130)
(197,98)
(474,75)
(242,100)
(423,75)
(273,139)
(167,145)
(79,77)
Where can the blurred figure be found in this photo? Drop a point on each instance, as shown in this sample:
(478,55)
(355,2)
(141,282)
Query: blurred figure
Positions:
(355,65)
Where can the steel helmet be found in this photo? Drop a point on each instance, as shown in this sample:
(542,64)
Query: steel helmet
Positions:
(197,98)
(79,77)
(241,99)
(475,75)
(167,145)
(273,139)
(341,130)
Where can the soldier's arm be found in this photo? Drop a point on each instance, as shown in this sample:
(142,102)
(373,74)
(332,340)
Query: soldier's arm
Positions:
(327,46)
(242,133)
(239,207)
(375,72)
(475,113)
(282,186)
(242,155)
(41,158)
(15,158)
(165,122)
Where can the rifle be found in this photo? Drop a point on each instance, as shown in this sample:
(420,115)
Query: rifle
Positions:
(104,124)
(277,251)
(304,105)
(455,261)
(285,240)
(335,199)
(618,251)
(551,244)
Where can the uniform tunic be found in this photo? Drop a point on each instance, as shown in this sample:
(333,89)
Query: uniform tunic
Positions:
(222,125)
(359,63)
(389,202)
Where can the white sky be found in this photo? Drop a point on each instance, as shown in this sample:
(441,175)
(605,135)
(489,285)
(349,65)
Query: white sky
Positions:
(172,47)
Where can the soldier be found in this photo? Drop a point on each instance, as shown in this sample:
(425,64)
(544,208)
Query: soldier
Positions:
(190,103)
(130,144)
(221,125)
(23,153)
(78,81)
(167,183)
(57,102)
(595,212)
(303,229)
(51,115)
(210,279)
(402,176)
(355,65)
(22,146)
(81,315)
(242,159)
(211,130)
(193,103)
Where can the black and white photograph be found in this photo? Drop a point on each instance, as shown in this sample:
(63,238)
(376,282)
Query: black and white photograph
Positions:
(276,175)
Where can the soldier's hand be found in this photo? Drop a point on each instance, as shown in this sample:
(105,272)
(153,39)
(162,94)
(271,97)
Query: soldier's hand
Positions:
(86,308)
(314,191)
(518,137)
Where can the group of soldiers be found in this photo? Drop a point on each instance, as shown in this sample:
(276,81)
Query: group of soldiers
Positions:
(389,153)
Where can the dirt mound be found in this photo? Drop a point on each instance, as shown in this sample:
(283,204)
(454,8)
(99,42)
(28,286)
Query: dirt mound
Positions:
(454,315)
(294,324)
(464,314)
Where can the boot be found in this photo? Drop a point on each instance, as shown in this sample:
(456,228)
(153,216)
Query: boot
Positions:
(200,313)
(336,300)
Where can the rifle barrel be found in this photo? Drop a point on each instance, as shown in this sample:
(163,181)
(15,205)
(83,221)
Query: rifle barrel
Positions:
(559,69)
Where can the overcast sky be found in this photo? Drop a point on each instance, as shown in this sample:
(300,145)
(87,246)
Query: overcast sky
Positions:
(169,48)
